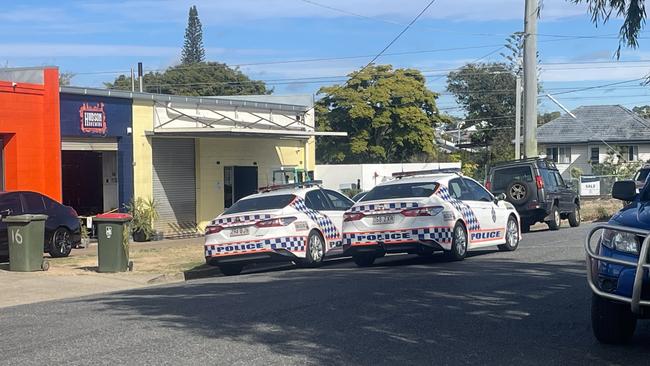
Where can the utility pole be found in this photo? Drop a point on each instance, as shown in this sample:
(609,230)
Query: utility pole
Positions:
(530,79)
(518,118)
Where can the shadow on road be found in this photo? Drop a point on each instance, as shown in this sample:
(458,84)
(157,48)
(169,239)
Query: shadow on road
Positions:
(406,310)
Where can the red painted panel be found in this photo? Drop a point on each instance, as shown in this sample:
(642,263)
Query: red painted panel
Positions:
(29,125)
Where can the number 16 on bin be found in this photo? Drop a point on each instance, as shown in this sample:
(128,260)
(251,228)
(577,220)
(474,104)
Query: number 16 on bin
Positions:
(16,237)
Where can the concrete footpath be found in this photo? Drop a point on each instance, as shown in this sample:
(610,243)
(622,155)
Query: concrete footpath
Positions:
(157,262)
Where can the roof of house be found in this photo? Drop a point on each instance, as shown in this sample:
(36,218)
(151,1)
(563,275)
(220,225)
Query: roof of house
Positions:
(612,123)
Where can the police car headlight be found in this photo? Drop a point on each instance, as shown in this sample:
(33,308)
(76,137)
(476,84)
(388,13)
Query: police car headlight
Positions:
(624,242)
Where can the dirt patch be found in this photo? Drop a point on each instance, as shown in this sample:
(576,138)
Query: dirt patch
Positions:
(163,258)
(599,209)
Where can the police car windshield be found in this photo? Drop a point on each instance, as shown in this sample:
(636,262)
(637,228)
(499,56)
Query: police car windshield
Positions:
(402,190)
(261,203)
(642,174)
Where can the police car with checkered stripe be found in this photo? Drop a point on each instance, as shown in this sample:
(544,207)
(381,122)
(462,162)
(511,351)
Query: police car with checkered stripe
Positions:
(301,223)
(425,212)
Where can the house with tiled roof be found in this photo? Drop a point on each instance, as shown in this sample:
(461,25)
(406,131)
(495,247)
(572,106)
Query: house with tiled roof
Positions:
(582,141)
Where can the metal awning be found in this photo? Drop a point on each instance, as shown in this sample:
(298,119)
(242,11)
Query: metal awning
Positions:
(240,132)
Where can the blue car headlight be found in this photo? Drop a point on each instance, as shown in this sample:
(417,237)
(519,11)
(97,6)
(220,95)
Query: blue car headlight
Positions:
(624,242)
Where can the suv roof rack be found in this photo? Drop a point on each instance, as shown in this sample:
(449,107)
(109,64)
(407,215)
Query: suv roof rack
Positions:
(400,175)
(306,184)
(549,164)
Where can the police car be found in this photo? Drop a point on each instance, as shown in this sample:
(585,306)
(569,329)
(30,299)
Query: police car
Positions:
(300,223)
(428,211)
(617,263)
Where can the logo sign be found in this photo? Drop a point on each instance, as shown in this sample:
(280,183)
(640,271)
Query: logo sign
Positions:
(109,232)
(93,118)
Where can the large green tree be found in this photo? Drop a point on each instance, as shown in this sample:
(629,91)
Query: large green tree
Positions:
(389,115)
(631,11)
(205,78)
(193,51)
(487,93)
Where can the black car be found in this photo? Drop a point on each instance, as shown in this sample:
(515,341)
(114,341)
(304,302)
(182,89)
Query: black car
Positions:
(62,227)
(537,190)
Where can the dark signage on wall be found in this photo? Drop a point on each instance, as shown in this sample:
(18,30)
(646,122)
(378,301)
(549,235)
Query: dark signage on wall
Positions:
(93,118)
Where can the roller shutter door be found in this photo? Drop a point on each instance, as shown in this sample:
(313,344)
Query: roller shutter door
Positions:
(174,186)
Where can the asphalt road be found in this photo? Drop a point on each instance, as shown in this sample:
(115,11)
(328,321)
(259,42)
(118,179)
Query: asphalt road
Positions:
(527,307)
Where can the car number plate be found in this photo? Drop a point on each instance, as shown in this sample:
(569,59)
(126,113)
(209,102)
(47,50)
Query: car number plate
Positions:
(383,219)
(239,231)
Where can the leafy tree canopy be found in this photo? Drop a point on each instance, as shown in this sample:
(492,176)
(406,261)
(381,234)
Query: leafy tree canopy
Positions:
(198,79)
(193,51)
(389,115)
(547,117)
(643,111)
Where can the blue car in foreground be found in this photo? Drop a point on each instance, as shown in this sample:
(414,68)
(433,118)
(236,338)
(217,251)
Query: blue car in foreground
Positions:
(617,264)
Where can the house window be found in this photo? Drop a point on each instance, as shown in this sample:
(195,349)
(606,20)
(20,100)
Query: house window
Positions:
(630,153)
(594,158)
(560,155)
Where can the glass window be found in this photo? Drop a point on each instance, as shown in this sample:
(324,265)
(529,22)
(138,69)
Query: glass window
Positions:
(455,188)
(261,203)
(502,177)
(595,155)
(476,192)
(10,202)
(559,179)
(316,200)
(33,203)
(403,190)
(228,177)
(560,155)
(630,153)
(549,179)
(641,175)
(339,201)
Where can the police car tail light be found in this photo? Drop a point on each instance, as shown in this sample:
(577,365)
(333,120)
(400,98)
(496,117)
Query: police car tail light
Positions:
(353,216)
(283,221)
(213,229)
(423,211)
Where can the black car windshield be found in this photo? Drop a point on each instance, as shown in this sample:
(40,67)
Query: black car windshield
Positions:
(502,177)
(261,203)
(641,175)
(404,190)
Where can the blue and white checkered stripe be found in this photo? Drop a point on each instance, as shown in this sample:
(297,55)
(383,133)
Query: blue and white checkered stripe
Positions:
(387,207)
(468,214)
(292,244)
(323,222)
(441,235)
(246,219)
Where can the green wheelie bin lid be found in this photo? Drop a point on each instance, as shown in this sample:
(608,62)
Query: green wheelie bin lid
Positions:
(24,218)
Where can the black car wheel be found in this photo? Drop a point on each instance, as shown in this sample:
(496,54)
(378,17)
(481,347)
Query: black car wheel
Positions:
(60,243)
(555,221)
(612,322)
(517,192)
(574,217)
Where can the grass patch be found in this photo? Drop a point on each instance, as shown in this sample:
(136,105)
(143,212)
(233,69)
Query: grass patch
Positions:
(599,209)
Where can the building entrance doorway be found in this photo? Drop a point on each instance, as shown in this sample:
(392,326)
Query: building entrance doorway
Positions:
(90,181)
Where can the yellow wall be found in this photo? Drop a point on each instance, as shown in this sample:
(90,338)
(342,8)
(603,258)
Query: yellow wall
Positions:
(143,169)
(269,154)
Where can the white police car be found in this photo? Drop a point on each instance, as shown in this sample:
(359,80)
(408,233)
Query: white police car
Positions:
(300,223)
(428,211)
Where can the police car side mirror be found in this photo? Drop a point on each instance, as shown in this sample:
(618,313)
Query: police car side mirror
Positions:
(624,190)
(500,197)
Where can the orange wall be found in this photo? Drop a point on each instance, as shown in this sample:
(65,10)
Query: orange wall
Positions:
(29,125)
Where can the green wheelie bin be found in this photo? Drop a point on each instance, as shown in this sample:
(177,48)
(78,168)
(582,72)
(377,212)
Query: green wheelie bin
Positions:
(113,242)
(26,234)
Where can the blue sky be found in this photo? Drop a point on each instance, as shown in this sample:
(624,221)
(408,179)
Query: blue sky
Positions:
(97,40)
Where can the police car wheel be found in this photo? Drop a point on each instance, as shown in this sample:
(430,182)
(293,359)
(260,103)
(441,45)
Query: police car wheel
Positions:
(458,244)
(364,259)
(315,250)
(231,269)
(612,322)
(512,236)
